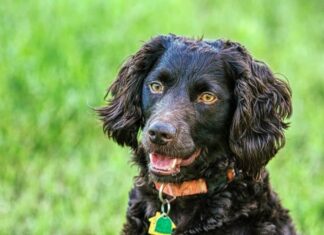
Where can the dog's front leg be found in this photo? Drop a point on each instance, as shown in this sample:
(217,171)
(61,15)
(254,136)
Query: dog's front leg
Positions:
(135,223)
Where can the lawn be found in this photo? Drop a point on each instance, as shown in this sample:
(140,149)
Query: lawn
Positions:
(60,175)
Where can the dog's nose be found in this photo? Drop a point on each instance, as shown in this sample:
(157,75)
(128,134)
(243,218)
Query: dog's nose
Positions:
(161,133)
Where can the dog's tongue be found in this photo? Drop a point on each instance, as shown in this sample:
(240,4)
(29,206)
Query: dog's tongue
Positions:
(162,162)
(167,165)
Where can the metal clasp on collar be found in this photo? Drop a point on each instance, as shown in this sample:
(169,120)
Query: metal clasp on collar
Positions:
(165,206)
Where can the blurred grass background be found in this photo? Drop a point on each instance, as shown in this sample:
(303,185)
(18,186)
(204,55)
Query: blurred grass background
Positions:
(58,172)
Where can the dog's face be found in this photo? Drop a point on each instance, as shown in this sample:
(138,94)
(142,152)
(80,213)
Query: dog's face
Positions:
(187,103)
(197,101)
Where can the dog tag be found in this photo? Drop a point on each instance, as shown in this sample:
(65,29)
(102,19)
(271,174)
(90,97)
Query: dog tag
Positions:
(161,224)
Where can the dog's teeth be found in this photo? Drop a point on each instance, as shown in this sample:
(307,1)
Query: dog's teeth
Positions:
(178,162)
(174,163)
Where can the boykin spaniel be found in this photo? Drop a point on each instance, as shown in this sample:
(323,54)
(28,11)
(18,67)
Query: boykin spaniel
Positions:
(203,118)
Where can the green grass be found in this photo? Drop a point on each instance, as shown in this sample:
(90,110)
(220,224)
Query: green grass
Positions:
(60,175)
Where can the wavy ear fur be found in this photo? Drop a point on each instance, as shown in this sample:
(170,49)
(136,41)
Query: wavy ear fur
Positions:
(262,104)
(122,116)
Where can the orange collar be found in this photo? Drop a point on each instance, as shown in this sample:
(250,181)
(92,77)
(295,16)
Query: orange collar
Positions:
(191,187)
(183,189)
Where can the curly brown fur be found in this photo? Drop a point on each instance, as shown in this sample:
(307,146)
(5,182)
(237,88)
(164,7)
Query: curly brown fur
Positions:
(242,129)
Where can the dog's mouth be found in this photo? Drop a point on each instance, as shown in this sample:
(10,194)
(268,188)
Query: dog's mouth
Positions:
(167,165)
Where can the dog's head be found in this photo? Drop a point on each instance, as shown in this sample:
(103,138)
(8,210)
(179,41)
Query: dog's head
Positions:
(197,101)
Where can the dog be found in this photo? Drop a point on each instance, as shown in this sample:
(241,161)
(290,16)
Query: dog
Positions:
(203,118)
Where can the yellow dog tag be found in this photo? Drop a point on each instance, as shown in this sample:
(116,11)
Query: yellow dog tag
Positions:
(161,224)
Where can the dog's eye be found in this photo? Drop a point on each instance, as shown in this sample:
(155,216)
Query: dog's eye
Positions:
(156,87)
(207,98)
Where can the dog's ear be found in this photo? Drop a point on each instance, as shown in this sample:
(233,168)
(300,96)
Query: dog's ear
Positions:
(262,103)
(122,116)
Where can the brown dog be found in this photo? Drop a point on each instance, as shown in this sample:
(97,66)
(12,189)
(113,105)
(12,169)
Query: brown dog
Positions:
(212,117)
